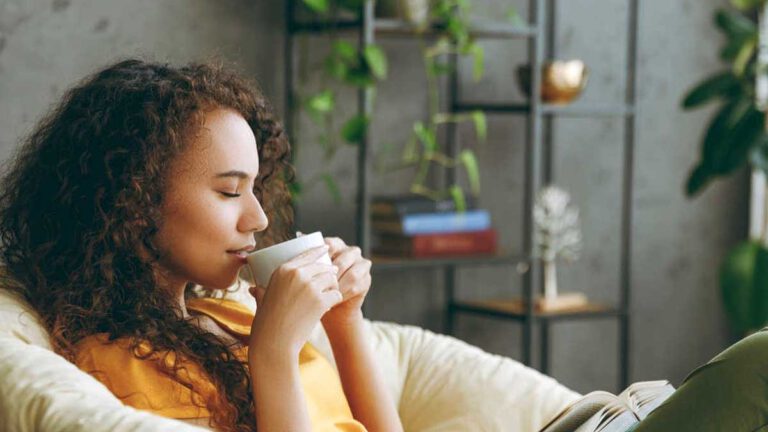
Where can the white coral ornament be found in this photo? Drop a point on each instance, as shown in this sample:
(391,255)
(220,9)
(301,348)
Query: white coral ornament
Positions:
(557,233)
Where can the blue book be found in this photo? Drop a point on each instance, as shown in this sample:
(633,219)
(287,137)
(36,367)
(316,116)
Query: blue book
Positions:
(432,223)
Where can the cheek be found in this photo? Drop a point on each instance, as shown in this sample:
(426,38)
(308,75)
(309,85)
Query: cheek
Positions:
(193,227)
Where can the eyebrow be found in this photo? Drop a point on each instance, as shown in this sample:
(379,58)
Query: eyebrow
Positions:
(232,173)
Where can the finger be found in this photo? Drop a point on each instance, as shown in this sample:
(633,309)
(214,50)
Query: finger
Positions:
(317,268)
(360,272)
(325,281)
(308,256)
(336,244)
(258,293)
(346,259)
(331,298)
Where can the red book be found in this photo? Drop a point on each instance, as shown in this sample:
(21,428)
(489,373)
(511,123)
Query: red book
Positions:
(442,244)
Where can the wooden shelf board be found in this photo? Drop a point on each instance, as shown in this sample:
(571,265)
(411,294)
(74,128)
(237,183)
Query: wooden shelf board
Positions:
(574,110)
(515,308)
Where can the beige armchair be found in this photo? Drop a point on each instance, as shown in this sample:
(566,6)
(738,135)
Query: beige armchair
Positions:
(440,383)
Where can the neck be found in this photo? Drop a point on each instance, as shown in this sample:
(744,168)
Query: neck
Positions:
(176,288)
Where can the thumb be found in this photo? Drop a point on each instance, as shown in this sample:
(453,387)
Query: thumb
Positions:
(258,293)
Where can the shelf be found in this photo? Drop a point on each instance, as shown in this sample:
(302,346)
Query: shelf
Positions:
(388,27)
(397,263)
(576,110)
(515,309)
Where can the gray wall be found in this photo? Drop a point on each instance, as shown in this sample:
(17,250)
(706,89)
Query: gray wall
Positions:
(45,46)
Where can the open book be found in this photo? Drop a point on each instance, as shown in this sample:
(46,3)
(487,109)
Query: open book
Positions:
(601,411)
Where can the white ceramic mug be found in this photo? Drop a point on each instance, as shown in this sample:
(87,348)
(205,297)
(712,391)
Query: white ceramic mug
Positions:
(263,262)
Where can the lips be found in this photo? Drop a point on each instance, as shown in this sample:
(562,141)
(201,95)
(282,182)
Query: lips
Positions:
(242,253)
(239,255)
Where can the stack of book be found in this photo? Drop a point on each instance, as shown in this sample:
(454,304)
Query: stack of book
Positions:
(414,226)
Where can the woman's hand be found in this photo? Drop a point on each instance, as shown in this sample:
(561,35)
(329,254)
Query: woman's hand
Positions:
(300,291)
(354,275)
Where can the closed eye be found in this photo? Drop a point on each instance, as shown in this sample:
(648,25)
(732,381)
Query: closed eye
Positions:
(229,195)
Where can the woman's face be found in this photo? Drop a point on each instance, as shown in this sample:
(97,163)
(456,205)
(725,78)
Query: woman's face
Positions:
(209,208)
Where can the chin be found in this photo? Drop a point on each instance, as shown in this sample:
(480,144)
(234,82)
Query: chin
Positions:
(220,283)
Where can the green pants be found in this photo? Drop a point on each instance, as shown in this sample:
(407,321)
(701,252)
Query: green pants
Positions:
(730,393)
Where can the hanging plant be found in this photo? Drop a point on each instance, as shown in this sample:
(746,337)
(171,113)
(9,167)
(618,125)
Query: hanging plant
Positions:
(422,150)
(354,67)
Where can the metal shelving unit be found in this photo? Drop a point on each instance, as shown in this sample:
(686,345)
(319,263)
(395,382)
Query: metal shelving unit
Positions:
(540,35)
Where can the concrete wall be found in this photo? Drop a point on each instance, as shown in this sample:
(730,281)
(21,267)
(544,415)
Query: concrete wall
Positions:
(45,46)
(677,319)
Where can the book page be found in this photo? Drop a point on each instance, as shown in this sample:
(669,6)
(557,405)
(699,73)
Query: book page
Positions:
(621,422)
(614,417)
(644,397)
(580,412)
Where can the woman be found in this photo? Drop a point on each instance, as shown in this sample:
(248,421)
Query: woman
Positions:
(147,181)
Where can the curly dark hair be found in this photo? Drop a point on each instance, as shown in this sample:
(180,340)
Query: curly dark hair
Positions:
(81,205)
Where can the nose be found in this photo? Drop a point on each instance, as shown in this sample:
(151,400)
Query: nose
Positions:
(253,218)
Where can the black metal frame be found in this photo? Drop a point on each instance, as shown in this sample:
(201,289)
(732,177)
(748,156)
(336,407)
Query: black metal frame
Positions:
(539,31)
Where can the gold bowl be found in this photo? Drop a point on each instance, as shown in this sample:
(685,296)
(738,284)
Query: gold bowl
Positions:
(561,81)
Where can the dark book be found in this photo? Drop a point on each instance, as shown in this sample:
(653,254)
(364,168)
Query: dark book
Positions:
(399,205)
(435,245)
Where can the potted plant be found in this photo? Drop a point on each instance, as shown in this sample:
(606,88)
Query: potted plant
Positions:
(736,137)
(422,151)
(364,67)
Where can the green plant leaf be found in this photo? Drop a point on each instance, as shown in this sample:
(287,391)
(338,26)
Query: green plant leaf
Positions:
(317,6)
(345,51)
(359,78)
(746,5)
(457,193)
(336,68)
(437,68)
(743,137)
(333,188)
(354,129)
(319,104)
(409,151)
(744,56)
(731,49)
(729,142)
(341,59)
(715,86)
(716,137)
(713,149)
(734,24)
(730,139)
(467,157)
(478,62)
(698,179)
(426,137)
(351,5)
(744,286)
(481,125)
(377,61)
(514,17)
